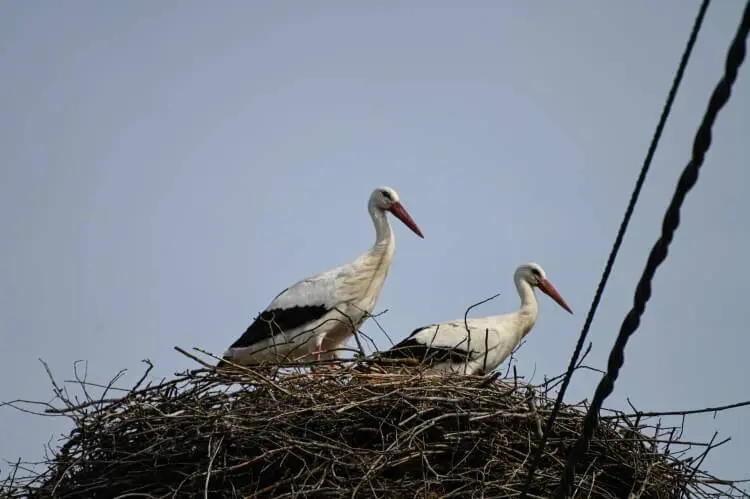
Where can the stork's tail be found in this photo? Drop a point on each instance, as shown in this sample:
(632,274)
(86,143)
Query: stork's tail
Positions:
(381,364)
(223,364)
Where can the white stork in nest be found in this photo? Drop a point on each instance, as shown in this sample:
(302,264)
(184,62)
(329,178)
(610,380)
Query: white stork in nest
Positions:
(320,313)
(477,346)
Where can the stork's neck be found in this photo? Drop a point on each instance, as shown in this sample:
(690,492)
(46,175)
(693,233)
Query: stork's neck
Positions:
(383,232)
(529,307)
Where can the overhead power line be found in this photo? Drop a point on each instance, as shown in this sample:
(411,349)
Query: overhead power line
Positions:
(659,251)
(536,461)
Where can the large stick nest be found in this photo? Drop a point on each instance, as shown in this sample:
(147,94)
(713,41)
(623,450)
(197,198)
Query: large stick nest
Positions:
(345,434)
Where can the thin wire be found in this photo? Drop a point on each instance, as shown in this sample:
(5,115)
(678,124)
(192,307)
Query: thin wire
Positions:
(688,179)
(618,242)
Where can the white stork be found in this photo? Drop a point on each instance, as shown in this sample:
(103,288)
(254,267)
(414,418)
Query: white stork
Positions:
(321,312)
(450,347)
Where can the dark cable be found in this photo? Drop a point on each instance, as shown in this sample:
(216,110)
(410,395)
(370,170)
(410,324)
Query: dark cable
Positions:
(618,241)
(688,179)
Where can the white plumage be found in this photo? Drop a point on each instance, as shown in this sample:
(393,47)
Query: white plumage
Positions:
(321,312)
(450,347)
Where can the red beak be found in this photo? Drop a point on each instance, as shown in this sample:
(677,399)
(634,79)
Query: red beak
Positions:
(400,212)
(550,291)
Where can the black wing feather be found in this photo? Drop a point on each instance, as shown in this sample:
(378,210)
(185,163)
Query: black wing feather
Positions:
(410,348)
(272,322)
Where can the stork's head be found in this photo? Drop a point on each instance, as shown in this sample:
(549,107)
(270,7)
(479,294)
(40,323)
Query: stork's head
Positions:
(534,274)
(386,199)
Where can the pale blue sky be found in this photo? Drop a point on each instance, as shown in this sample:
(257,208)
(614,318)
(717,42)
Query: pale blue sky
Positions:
(166,168)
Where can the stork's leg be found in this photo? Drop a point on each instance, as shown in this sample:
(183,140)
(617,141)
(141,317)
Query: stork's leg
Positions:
(318,351)
(318,348)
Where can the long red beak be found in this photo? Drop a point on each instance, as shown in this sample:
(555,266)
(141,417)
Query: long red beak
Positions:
(550,291)
(400,212)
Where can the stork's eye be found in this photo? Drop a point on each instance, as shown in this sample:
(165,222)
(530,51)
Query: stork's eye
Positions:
(536,272)
(387,195)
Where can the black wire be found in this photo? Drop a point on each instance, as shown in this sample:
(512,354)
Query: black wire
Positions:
(618,241)
(688,179)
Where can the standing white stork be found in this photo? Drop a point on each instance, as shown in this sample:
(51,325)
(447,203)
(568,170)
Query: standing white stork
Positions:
(488,341)
(321,312)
